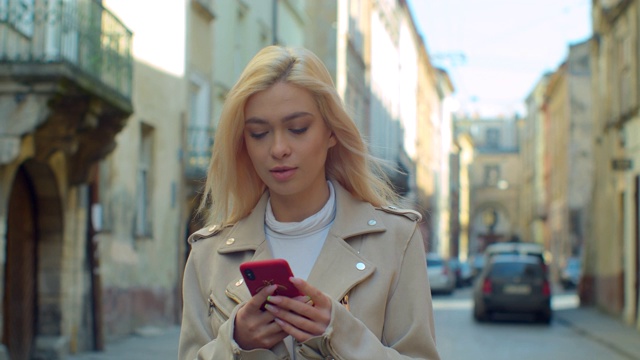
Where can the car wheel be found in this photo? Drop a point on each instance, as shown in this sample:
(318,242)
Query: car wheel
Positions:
(544,316)
(480,315)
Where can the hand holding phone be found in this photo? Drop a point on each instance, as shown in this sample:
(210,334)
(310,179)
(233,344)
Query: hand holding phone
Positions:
(262,273)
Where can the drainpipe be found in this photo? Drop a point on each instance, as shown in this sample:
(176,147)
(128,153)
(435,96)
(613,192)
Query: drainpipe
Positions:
(274,22)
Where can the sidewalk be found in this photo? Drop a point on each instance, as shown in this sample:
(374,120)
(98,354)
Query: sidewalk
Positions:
(153,343)
(162,344)
(603,328)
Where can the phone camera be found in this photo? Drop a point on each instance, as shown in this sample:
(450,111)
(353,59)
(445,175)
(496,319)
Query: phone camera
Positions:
(250,275)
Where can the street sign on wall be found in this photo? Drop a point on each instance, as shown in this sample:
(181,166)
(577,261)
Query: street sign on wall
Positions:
(621,164)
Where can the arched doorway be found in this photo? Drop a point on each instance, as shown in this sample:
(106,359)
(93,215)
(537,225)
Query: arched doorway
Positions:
(20,292)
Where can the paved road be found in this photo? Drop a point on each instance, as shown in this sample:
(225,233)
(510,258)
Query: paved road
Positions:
(151,344)
(459,337)
(575,333)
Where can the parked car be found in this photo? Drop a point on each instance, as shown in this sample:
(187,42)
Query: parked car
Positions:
(441,277)
(466,273)
(571,273)
(454,266)
(513,284)
(522,248)
(462,272)
(477,264)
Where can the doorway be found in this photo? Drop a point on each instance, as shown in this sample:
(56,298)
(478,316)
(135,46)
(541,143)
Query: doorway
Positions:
(20,294)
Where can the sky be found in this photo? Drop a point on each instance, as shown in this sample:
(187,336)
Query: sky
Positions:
(495,51)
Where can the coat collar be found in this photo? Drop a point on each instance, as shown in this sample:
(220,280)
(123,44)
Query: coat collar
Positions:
(337,260)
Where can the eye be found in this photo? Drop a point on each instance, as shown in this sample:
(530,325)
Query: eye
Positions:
(258,135)
(299,130)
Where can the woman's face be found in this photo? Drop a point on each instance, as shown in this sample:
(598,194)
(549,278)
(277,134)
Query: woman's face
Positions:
(287,141)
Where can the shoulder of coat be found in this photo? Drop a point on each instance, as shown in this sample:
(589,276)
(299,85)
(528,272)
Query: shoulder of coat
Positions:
(408,213)
(207,232)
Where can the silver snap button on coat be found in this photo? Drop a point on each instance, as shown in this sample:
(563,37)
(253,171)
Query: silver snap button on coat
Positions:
(230,241)
(372,222)
(360,266)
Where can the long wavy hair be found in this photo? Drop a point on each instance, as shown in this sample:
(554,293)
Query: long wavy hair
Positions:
(233,187)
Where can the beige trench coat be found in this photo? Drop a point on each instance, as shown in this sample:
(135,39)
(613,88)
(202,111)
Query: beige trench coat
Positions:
(380,311)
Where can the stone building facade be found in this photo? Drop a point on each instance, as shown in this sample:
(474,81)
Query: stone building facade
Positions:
(66,78)
(493,180)
(612,254)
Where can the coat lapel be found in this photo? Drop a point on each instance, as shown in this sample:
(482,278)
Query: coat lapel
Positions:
(247,235)
(338,268)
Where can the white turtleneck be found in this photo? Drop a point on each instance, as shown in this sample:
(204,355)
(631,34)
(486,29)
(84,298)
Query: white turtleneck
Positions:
(300,242)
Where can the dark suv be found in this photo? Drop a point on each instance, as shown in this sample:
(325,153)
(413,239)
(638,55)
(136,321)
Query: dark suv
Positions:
(513,284)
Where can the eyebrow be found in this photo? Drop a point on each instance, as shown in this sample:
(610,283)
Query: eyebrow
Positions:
(290,117)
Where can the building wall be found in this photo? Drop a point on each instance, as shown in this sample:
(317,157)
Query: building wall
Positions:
(444,139)
(494,180)
(351,56)
(428,109)
(241,29)
(557,152)
(493,196)
(535,198)
(581,169)
(386,128)
(139,267)
(54,138)
(466,159)
(611,265)
(140,181)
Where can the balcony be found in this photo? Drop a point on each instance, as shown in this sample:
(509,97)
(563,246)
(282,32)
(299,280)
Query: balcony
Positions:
(65,77)
(198,151)
(79,41)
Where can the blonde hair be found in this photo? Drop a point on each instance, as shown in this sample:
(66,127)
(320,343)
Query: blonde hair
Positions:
(233,188)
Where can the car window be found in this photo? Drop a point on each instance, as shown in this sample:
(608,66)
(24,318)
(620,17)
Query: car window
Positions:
(573,264)
(434,262)
(513,269)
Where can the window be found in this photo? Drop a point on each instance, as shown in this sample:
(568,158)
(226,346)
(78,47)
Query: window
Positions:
(18,13)
(144,182)
(199,138)
(491,175)
(625,78)
(493,138)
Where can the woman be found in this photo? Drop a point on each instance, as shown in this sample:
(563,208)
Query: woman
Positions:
(290,178)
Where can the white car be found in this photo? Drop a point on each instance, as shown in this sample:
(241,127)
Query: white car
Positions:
(441,277)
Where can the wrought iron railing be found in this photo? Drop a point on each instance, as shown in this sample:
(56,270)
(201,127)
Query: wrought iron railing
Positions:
(198,151)
(80,33)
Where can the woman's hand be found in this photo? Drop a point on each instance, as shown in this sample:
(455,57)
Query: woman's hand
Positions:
(302,317)
(255,328)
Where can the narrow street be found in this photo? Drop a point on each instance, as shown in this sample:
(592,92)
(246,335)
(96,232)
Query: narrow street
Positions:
(459,337)
(508,337)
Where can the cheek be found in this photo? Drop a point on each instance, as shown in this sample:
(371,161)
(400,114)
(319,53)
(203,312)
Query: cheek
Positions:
(252,152)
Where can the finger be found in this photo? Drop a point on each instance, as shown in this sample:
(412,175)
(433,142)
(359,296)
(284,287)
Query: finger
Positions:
(303,316)
(302,306)
(296,333)
(265,336)
(260,298)
(302,298)
(255,328)
(318,297)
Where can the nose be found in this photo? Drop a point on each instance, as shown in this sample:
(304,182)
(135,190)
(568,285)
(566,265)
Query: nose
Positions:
(280,148)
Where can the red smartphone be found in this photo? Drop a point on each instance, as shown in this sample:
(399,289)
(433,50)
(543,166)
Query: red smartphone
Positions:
(262,273)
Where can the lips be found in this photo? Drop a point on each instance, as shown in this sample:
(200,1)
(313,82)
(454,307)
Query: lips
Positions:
(283,173)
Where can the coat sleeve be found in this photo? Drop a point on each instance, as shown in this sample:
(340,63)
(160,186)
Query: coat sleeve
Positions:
(409,326)
(198,339)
